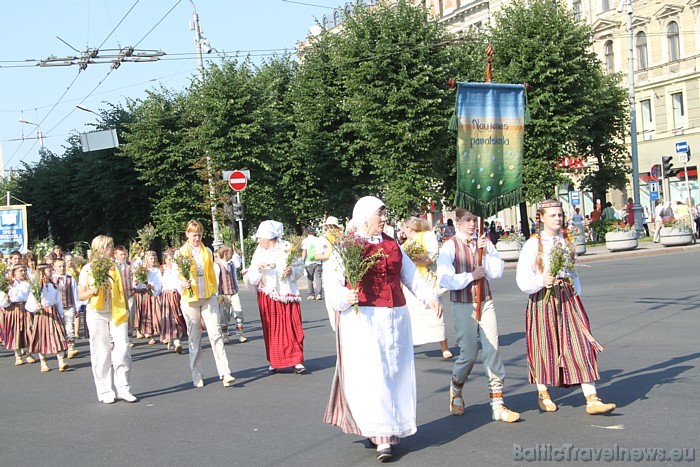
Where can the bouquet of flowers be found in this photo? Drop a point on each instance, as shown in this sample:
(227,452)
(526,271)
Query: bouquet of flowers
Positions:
(100,267)
(141,275)
(36,284)
(351,251)
(293,249)
(414,250)
(184,266)
(560,260)
(4,280)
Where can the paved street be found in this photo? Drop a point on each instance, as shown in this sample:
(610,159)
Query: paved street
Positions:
(643,308)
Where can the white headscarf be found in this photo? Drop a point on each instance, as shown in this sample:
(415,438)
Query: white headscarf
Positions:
(270,230)
(363,210)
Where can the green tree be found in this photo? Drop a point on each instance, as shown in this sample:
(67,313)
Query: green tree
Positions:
(539,43)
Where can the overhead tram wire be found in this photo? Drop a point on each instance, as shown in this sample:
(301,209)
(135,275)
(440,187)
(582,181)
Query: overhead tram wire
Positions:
(118,24)
(159,21)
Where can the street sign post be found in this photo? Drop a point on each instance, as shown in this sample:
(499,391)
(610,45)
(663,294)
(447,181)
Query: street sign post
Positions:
(238,181)
(682,147)
(654,172)
(683,151)
(653,191)
(575,198)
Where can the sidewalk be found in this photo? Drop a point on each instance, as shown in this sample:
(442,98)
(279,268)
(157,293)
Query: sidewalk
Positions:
(645,248)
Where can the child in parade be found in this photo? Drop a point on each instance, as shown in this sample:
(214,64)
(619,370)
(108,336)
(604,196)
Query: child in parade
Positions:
(120,257)
(228,261)
(278,298)
(68,291)
(173,326)
(49,335)
(560,348)
(458,271)
(72,268)
(107,318)
(18,323)
(147,288)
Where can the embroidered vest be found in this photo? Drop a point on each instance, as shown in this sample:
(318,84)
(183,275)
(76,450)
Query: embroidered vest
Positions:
(228,285)
(381,286)
(65,288)
(465,260)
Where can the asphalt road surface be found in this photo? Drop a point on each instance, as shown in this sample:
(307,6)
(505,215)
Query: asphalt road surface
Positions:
(643,310)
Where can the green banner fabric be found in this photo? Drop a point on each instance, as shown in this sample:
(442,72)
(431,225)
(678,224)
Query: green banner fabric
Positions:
(490,127)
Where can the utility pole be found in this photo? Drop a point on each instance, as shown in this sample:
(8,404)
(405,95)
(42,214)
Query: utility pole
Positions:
(200,67)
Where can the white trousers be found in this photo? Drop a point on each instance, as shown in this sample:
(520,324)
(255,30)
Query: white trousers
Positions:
(207,310)
(110,366)
(69,319)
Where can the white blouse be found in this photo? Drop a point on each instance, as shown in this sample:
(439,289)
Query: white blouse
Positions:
(270,281)
(529,279)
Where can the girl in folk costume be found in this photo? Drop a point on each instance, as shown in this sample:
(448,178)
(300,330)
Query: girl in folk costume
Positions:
(560,348)
(199,302)
(374,388)
(227,262)
(173,326)
(107,319)
(18,323)
(426,327)
(146,296)
(49,336)
(278,298)
(68,290)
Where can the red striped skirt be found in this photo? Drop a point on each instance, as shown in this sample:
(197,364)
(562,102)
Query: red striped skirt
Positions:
(173,325)
(148,314)
(49,336)
(560,348)
(282,331)
(18,326)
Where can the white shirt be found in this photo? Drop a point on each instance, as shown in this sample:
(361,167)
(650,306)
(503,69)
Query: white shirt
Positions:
(529,279)
(449,279)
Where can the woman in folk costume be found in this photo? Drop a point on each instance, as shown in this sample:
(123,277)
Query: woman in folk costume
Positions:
(200,303)
(426,327)
(374,388)
(49,336)
(107,319)
(18,323)
(147,296)
(173,326)
(279,301)
(560,348)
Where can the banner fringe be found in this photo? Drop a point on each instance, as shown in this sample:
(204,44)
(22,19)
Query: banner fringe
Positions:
(489,208)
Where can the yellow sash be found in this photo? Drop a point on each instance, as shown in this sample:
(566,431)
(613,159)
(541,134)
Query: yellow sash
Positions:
(422,269)
(210,286)
(119,313)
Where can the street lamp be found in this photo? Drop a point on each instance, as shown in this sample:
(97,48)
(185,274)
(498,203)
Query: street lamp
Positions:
(86,109)
(636,207)
(39,134)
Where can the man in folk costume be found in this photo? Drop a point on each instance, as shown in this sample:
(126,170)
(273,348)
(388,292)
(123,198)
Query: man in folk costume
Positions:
(374,387)
(68,291)
(199,303)
(458,272)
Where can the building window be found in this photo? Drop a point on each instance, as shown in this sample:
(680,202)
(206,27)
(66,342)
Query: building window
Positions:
(646,119)
(577,10)
(609,57)
(678,110)
(641,44)
(605,5)
(674,45)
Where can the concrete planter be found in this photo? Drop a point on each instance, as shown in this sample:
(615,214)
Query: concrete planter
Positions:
(580,249)
(672,236)
(621,241)
(509,251)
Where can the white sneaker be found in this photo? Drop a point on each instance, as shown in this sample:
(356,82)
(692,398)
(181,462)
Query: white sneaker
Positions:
(227,380)
(198,384)
(107,400)
(127,396)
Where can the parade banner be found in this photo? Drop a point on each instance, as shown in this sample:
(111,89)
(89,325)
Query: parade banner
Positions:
(490,127)
(13,229)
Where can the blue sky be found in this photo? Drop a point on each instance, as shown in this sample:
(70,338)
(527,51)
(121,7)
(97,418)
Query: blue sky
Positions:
(48,95)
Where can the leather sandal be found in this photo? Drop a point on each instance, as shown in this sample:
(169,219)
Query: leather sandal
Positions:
(456,403)
(594,406)
(545,402)
(502,414)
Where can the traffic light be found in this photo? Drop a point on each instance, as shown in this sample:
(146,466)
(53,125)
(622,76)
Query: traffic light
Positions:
(667,166)
(238,211)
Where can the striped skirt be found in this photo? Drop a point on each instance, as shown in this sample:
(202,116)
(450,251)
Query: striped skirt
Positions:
(49,336)
(148,314)
(560,348)
(282,331)
(173,325)
(18,326)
